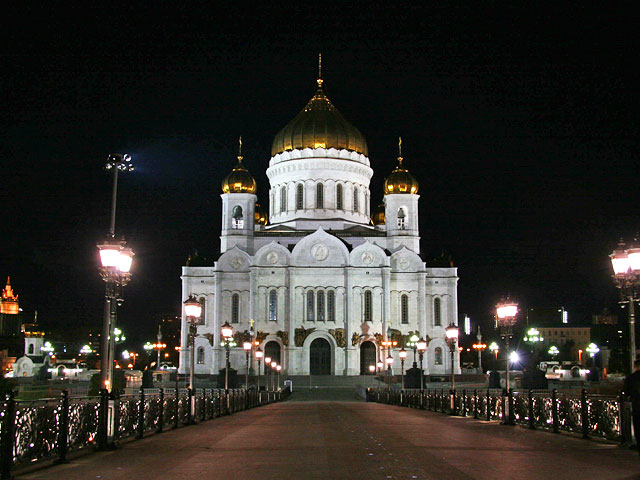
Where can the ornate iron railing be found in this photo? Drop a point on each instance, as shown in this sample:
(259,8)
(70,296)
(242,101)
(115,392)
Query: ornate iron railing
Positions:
(591,415)
(48,429)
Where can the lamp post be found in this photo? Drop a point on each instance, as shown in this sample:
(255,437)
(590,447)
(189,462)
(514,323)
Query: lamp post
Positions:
(403,356)
(507,313)
(160,346)
(278,368)
(274,364)
(451,336)
(115,260)
(389,371)
(267,364)
(247,350)
(227,333)
(422,347)
(413,343)
(495,349)
(192,310)
(479,347)
(259,355)
(626,270)
(379,364)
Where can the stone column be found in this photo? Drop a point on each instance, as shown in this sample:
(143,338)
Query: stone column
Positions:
(422,312)
(347,317)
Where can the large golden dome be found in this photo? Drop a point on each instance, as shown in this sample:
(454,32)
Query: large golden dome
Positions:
(319,125)
(400,180)
(378,217)
(239,180)
(260,217)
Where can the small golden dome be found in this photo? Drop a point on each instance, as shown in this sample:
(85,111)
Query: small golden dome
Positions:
(400,180)
(239,180)
(319,125)
(378,217)
(260,217)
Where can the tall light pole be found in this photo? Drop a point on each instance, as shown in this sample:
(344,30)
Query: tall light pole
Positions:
(422,347)
(451,336)
(227,333)
(626,270)
(479,347)
(192,310)
(259,355)
(246,346)
(403,355)
(507,315)
(267,364)
(389,363)
(413,343)
(274,366)
(158,345)
(115,260)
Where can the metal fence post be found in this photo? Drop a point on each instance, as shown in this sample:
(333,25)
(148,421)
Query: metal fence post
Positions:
(160,411)
(8,436)
(488,405)
(532,424)
(584,413)
(464,402)
(141,415)
(191,410)
(476,410)
(554,410)
(176,419)
(63,428)
(103,418)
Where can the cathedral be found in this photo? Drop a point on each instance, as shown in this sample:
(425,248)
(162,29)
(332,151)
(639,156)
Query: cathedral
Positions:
(321,280)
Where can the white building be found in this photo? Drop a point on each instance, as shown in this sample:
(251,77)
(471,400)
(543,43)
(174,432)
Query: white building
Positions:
(323,279)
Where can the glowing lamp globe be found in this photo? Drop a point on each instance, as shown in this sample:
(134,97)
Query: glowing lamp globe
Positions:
(389,360)
(226,330)
(372,368)
(192,307)
(247,346)
(451,333)
(422,345)
(259,354)
(403,354)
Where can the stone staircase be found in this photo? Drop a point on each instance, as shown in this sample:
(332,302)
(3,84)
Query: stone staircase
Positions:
(318,388)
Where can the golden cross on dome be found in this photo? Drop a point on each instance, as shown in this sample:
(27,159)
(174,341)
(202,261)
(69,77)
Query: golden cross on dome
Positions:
(320,70)
(240,149)
(400,150)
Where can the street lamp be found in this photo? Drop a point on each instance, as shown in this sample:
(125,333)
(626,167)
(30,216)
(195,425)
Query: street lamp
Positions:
(451,336)
(592,349)
(227,333)
(507,313)
(389,371)
(259,355)
(159,346)
(379,364)
(274,364)
(403,356)
(413,343)
(553,351)
(626,269)
(247,350)
(115,261)
(267,364)
(479,347)
(422,347)
(278,368)
(192,310)
(494,349)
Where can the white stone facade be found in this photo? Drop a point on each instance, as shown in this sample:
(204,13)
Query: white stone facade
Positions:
(321,265)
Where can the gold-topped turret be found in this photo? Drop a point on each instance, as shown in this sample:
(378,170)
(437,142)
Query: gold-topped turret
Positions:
(319,125)
(400,180)
(378,217)
(239,180)
(260,217)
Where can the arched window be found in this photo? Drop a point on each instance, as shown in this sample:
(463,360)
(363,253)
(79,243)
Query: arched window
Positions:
(404,308)
(355,199)
(437,320)
(283,199)
(273,306)
(31,349)
(319,196)
(401,219)
(331,306)
(339,197)
(238,219)
(368,306)
(235,308)
(200,355)
(437,356)
(310,306)
(320,305)
(299,197)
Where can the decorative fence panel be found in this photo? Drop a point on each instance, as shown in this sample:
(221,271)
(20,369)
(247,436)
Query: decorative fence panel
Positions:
(47,429)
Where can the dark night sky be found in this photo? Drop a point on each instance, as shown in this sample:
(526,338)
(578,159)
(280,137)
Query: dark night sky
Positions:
(521,125)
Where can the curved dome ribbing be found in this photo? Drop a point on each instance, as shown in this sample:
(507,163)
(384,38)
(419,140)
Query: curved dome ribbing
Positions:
(319,125)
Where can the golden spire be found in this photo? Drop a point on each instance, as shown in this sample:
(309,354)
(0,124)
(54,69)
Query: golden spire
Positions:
(399,150)
(240,157)
(320,70)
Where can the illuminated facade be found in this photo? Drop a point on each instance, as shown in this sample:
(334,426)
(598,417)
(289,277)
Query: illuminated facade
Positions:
(321,278)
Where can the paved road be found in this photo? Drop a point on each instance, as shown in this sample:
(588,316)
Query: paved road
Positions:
(351,440)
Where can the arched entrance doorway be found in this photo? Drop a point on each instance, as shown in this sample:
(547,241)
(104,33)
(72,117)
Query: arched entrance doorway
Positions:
(272,349)
(367,357)
(320,357)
